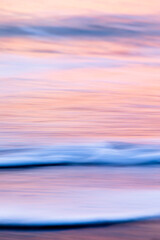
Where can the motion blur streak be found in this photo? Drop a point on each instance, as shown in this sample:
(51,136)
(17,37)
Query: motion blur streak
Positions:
(80,119)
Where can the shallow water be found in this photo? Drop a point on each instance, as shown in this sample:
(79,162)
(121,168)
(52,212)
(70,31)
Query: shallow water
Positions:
(78,195)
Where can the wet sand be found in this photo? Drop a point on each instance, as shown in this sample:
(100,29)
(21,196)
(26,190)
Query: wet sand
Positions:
(146,230)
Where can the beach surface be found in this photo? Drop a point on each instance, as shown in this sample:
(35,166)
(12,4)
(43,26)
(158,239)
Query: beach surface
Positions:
(146,230)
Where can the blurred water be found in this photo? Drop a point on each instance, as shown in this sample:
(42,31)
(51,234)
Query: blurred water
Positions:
(78,195)
(79,94)
(67,88)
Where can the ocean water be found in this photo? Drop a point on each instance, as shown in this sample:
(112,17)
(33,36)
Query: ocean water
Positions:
(79,113)
(79,185)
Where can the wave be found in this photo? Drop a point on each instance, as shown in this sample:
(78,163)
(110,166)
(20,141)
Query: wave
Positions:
(73,224)
(108,153)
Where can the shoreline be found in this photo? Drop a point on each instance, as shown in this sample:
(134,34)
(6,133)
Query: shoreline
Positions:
(143,230)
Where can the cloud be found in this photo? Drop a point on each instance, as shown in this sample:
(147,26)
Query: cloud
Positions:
(86,28)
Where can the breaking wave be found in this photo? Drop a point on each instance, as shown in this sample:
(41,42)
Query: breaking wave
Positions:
(110,153)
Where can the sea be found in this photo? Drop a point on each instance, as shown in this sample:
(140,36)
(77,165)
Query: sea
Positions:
(79,124)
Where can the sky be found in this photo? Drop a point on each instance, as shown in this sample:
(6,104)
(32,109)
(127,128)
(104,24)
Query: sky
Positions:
(79,70)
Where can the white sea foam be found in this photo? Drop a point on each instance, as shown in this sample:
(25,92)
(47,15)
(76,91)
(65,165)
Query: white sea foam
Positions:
(82,206)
